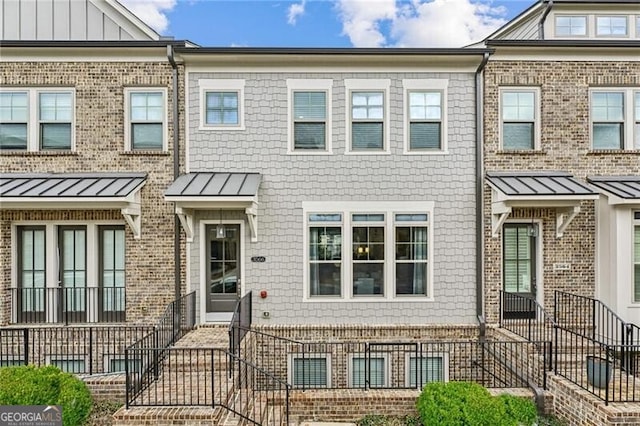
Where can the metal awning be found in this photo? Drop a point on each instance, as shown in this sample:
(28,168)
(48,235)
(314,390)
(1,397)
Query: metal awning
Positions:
(213,191)
(74,191)
(618,189)
(545,189)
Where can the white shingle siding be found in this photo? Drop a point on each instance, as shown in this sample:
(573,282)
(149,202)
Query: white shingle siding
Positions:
(288,180)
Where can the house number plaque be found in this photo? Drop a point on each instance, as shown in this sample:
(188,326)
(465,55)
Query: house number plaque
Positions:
(258,259)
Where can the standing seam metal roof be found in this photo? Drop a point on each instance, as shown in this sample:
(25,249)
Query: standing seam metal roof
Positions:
(214,184)
(627,187)
(538,184)
(69,185)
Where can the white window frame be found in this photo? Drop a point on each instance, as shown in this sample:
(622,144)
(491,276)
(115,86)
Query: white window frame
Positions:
(369,85)
(536,119)
(625,35)
(428,261)
(635,143)
(33,118)
(221,85)
(128,146)
(389,209)
(426,85)
(407,369)
(309,85)
(312,355)
(92,265)
(628,110)
(108,358)
(571,15)
(50,359)
(363,355)
(333,224)
(635,217)
(637,26)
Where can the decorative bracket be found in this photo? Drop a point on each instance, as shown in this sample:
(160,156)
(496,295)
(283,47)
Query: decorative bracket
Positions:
(186,219)
(564,218)
(132,214)
(499,214)
(252,218)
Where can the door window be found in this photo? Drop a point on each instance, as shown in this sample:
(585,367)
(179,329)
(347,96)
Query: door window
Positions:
(518,258)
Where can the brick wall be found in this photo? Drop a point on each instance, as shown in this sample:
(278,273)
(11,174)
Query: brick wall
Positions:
(565,146)
(99,140)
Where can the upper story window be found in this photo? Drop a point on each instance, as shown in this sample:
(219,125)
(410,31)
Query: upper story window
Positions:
(146,124)
(519,116)
(368,115)
(425,116)
(309,112)
(221,108)
(611,26)
(366,250)
(36,119)
(221,104)
(571,26)
(638,26)
(614,119)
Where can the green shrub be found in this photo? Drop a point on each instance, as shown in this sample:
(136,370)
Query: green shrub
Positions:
(520,411)
(30,385)
(459,403)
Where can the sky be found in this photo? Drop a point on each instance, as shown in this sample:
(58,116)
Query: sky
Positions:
(327,23)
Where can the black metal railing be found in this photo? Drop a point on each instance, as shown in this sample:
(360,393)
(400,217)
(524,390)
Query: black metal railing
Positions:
(68,305)
(535,327)
(200,377)
(240,322)
(396,365)
(76,349)
(144,357)
(590,317)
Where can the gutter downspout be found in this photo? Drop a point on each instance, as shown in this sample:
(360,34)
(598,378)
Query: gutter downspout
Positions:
(543,19)
(480,198)
(177,270)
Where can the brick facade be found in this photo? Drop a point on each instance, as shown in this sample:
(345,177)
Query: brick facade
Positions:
(100,147)
(565,145)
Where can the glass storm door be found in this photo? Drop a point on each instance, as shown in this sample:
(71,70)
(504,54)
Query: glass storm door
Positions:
(519,270)
(223,269)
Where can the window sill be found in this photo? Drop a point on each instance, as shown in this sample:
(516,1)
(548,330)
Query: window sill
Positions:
(369,299)
(310,152)
(614,152)
(145,153)
(37,153)
(527,152)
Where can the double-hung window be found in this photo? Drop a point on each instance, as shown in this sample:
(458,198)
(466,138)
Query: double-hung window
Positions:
(367,115)
(636,256)
(425,115)
(570,26)
(146,119)
(36,119)
(309,112)
(325,254)
(221,104)
(611,26)
(615,118)
(519,118)
(366,250)
(411,250)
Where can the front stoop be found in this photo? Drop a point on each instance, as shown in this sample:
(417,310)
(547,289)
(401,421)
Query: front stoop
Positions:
(168,416)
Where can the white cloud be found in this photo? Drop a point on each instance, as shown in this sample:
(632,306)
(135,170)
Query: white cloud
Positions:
(419,23)
(295,10)
(361,20)
(152,12)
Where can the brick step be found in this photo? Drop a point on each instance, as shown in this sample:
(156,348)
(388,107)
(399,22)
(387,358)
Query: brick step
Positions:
(152,416)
